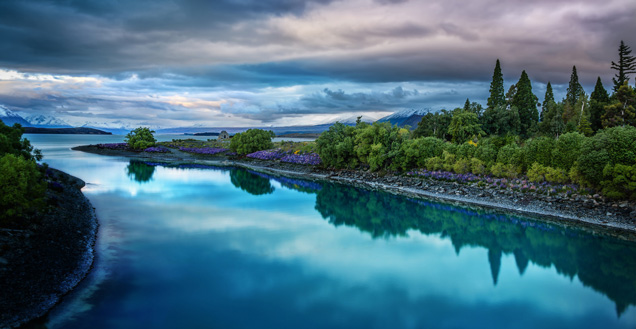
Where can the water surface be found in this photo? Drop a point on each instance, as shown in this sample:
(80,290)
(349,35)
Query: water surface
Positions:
(204,247)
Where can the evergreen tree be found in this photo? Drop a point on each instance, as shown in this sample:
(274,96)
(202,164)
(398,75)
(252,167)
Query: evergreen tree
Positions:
(496,88)
(526,103)
(626,65)
(575,90)
(598,100)
(549,97)
(623,111)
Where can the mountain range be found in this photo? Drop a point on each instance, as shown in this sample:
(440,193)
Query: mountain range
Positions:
(401,118)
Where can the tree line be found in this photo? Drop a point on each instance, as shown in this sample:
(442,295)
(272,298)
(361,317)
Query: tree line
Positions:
(588,140)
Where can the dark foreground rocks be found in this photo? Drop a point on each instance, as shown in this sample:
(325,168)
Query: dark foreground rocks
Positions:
(42,261)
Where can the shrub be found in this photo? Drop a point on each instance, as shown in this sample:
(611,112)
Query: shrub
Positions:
(11,141)
(448,160)
(504,170)
(536,173)
(539,150)
(620,181)
(417,151)
(609,146)
(511,154)
(477,166)
(486,152)
(567,150)
(466,150)
(556,175)
(434,163)
(336,146)
(22,187)
(461,166)
(140,139)
(251,141)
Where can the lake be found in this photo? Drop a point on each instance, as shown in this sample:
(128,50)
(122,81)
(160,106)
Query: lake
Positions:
(205,247)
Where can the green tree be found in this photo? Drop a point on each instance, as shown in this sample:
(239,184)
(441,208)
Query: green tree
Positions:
(140,138)
(526,103)
(598,100)
(251,141)
(623,111)
(335,146)
(567,150)
(379,145)
(496,88)
(575,90)
(464,126)
(549,97)
(626,65)
(434,125)
(11,142)
(22,188)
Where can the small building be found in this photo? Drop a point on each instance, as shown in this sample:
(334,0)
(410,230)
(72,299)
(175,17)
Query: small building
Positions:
(223,136)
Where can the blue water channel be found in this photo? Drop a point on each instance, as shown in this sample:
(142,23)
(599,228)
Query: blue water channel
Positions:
(207,247)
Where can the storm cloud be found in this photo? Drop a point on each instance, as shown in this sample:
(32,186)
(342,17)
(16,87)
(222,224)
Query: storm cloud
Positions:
(249,62)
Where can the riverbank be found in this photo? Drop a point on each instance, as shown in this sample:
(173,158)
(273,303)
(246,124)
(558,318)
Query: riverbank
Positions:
(590,212)
(41,262)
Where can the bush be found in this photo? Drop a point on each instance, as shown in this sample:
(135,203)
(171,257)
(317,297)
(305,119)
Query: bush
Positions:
(140,139)
(609,146)
(620,181)
(511,154)
(417,151)
(536,173)
(567,150)
(556,175)
(434,163)
(251,141)
(379,145)
(504,170)
(336,146)
(487,153)
(466,150)
(539,150)
(477,166)
(461,166)
(448,160)
(22,188)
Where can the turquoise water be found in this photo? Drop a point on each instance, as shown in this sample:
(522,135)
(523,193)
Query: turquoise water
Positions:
(229,248)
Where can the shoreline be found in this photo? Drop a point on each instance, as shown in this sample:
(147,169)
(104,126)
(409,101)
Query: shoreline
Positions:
(46,260)
(617,219)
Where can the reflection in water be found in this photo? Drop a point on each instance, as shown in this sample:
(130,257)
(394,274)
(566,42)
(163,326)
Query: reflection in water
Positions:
(250,182)
(140,171)
(606,265)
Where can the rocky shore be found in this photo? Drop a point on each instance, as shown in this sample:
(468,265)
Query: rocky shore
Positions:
(591,212)
(41,262)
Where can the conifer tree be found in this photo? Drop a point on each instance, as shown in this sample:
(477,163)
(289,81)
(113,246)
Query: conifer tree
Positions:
(497,96)
(623,111)
(598,100)
(549,97)
(626,65)
(575,90)
(526,103)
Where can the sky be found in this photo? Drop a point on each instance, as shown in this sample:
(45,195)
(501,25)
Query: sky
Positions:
(249,63)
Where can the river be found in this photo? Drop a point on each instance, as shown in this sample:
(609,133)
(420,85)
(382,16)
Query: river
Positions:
(193,247)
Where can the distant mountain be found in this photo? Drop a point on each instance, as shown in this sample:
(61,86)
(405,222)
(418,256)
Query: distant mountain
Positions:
(9,117)
(352,119)
(406,117)
(67,131)
(45,121)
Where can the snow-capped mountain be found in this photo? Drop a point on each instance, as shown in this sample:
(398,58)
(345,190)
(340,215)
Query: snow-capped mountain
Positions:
(9,117)
(351,119)
(117,127)
(45,121)
(406,117)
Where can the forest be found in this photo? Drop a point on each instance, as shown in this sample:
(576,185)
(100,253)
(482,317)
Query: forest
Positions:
(581,139)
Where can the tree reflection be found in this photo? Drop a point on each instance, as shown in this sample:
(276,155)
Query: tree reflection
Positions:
(607,265)
(250,182)
(140,171)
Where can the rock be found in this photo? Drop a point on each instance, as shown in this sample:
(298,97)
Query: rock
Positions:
(608,214)
(623,204)
(3,261)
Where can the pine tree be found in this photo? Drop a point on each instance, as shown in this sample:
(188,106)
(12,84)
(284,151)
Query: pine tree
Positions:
(549,97)
(626,65)
(598,100)
(526,103)
(575,90)
(623,111)
(496,88)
